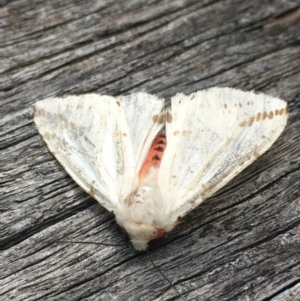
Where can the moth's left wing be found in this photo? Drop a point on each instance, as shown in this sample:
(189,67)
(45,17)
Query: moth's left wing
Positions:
(100,140)
(214,134)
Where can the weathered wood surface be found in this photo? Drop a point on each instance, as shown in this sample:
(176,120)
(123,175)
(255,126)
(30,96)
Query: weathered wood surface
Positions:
(242,244)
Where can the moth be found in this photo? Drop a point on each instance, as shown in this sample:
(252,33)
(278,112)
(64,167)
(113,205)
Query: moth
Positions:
(150,164)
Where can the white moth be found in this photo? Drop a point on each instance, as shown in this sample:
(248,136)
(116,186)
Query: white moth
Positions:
(150,165)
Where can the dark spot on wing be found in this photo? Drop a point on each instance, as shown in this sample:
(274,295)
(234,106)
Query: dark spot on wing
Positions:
(258,116)
(169,117)
(270,115)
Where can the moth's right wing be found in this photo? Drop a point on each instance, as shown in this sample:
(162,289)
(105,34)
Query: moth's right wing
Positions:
(214,134)
(101,141)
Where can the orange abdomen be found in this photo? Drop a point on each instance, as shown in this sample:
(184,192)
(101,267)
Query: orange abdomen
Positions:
(154,156)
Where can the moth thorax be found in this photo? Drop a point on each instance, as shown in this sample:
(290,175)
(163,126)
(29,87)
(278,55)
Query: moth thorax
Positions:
(142,213)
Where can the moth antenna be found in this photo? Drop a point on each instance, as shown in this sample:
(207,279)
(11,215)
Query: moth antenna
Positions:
(90,242)
(164,276)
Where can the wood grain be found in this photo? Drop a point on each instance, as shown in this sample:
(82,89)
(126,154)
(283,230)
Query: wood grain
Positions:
(242,244)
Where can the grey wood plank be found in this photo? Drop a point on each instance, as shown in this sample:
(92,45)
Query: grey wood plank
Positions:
(241,244)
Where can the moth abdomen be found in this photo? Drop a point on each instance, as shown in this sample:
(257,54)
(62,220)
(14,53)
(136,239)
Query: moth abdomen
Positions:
(154,156)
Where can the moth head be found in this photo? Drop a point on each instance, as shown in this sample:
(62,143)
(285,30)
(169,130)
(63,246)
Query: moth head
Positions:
(140,234)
